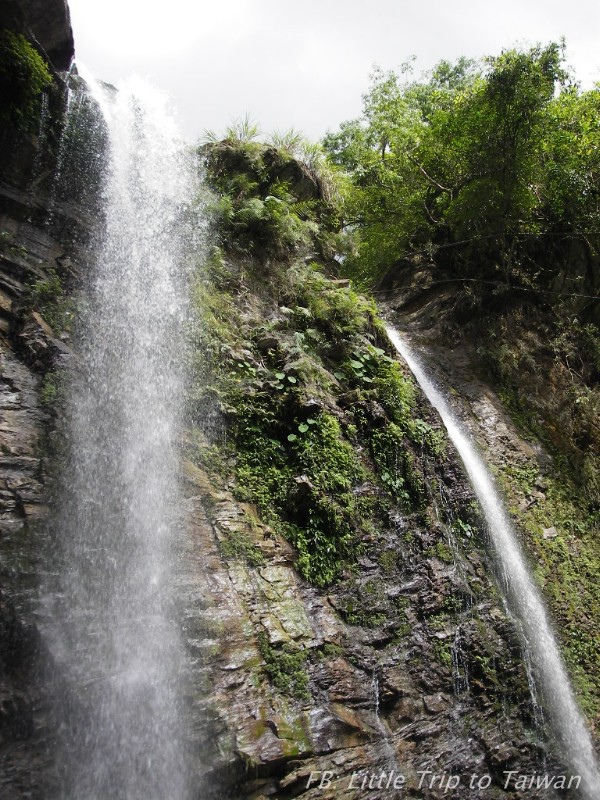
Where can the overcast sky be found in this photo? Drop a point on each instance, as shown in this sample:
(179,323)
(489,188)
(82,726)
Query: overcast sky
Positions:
(305,64)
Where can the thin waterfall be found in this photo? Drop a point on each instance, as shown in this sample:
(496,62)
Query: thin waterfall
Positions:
(115,634)
(522,595)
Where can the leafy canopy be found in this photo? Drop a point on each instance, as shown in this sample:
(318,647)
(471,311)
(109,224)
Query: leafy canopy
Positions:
(469,163)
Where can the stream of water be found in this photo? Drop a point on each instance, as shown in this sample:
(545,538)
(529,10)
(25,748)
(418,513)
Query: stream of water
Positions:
(521,593)
(116,637)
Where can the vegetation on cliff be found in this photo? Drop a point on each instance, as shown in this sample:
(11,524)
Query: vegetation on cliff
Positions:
(23,77)
(298,408)
(309,444)
(475,189)
(483,176)
(489,169)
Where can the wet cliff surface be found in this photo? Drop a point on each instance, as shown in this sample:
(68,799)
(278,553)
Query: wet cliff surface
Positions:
(523,375)
(339,606)
(402,658)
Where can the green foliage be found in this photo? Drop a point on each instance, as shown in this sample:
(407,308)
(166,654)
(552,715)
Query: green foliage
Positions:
(395,392)
(290,141)
(241,131)
(443,653)
(238,545)
(7,245)
(462,528)
(315,510)
(356,611)
(395,464)
(286,667)
(470,166)
(273,201)
(330,650)
(339,313)
(567,565)
(396,440)
(53,388)
(23,77)
(50,298)
(316,473)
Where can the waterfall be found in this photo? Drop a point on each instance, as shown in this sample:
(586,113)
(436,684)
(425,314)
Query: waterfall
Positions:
(114,632)
(522,596)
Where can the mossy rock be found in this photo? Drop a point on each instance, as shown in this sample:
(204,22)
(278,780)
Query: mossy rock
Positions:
(23,77)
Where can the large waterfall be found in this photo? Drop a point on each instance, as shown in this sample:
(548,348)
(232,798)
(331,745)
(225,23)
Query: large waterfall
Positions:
(116,637)
(522,595)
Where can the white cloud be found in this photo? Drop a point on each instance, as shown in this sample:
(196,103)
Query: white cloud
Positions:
(306,64)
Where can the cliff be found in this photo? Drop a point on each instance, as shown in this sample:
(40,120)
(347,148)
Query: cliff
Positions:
(38,242)
(46,23)
(340,609)
(312,452)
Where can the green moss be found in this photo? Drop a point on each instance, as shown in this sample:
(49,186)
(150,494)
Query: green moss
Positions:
(364,603)
(356,612)
(395,392)
(286,667)
(330,651)
(23,77)
(238,545)
(388,561)
(52,391)
(443,653)
(338,311)
(269,205)
(439,621)
(7,245)
(318,474)
(444,552)
(275,351)
(301,484)
(396,466)
(50,298)
(567,567)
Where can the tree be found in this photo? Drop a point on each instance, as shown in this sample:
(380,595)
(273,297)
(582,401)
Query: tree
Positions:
(452,161)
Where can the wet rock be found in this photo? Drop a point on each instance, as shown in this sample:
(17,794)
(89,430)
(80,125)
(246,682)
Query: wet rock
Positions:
(436,703)
(266,344)
(49,22)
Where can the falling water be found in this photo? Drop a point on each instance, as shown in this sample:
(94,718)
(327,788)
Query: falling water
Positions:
(521,593)
(116,639)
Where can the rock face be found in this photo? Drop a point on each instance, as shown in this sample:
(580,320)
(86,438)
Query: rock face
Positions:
(41,237)
(403,677)
(23,505)
(510,369)
(418,693)
(48,22)
(406,663)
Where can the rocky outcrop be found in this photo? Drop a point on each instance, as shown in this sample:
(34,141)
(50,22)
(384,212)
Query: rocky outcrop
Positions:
(41,236)
(23,507)
(421,692)
(407,661)
(47,22)
(524,377)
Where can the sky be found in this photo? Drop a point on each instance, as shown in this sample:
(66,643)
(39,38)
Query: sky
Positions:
(306,64)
